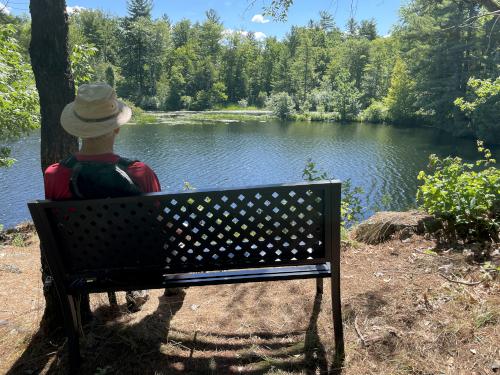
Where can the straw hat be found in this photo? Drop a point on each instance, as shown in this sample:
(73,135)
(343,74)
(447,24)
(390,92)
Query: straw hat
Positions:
(95,112)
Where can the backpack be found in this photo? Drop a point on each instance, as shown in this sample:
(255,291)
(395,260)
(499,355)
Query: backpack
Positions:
(94,180)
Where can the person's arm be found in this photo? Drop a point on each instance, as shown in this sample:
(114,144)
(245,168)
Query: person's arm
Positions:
(56,182)
(144,177)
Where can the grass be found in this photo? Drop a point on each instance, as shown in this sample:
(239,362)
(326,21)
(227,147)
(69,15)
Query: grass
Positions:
(236,107)
(317,116)
(229,116)
(145,119)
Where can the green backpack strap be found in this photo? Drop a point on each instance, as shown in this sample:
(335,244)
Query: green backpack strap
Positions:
(124,163)
(69,162)
(72,163)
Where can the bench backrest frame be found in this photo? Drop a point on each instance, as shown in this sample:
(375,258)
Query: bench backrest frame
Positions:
(331,217)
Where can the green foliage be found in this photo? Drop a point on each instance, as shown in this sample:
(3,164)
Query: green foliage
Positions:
(206,99)
(19,112)
(139,116)
(243,103)
(376,113)
(310,173)
(346,97)
(444,43)
(400,100)
(186,102)
(110,76)
(139,8)
(466,196)
(18,240)
(82,65)
(281,104)
(261,99)
(317,116)
(350,206)
(483,111)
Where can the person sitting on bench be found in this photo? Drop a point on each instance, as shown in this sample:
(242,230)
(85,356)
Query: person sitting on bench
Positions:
(96,171)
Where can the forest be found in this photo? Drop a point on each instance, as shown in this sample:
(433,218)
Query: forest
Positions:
(439,67)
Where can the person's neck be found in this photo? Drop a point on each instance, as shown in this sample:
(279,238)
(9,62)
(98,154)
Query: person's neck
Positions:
(95,149)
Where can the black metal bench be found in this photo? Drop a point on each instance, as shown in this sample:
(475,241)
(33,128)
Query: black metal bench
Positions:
(153,241)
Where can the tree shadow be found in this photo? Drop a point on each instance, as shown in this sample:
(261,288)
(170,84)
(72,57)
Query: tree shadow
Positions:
(113,346)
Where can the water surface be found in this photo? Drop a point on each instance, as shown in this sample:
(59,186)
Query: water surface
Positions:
(384,160)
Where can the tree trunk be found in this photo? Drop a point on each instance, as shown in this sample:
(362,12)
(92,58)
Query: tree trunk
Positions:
(51,66)
(50,63)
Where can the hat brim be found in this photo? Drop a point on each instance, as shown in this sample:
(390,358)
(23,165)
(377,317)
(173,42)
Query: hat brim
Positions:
(83,129)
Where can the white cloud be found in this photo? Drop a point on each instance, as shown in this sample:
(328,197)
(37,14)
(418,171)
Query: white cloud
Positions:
(75,9)
(229,32)
(4,9)
(259,35)
(259,18)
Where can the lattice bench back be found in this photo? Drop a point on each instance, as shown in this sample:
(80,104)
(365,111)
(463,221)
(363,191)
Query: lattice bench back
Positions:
(191,231)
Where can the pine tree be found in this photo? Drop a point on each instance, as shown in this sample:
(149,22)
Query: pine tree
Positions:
(400,99)
(139,8)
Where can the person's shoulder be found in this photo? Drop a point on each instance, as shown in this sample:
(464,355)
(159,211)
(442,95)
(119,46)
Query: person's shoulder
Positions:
(55,169)
(139,165)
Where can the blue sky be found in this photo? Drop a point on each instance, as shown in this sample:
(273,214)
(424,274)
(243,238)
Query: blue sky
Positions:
(238,14)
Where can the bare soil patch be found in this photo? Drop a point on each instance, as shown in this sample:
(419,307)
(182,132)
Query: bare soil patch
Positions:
(404,313)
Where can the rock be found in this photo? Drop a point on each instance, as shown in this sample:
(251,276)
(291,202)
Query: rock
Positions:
(381,226)
(406,233)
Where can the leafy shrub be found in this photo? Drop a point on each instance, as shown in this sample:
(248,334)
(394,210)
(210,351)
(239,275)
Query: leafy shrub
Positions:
(281,104)
(186,102)
(317,116)
(18,96)
(261,99)
(321,100)
(376,113)
(206,99)
(149,103)
(201,101)
(466,196)
(483,109)
(82,63)
(243,103)
(350,206)
(138,115)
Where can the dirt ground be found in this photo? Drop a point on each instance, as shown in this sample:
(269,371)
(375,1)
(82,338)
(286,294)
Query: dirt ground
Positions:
(405,312)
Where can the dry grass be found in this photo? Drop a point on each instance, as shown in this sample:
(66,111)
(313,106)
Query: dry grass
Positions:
(412,321)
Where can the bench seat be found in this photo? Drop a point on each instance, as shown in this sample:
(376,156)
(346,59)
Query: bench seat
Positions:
(144,279)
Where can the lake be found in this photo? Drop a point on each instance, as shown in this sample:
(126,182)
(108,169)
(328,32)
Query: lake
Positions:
(383,160)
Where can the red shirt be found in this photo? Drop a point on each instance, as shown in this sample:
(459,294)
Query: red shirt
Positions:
(56,176)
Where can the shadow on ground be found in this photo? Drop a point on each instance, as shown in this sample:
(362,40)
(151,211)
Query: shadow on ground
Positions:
(152,346)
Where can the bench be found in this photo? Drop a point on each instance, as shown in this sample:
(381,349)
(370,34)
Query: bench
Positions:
(191,238)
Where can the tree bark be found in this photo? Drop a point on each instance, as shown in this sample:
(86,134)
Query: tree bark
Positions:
(50,61)
(51,67)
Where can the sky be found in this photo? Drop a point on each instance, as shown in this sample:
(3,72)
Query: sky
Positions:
(248,14)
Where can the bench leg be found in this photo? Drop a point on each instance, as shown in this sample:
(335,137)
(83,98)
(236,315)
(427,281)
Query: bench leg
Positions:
(70,314)
(338,329)
(319,285)
(112,299)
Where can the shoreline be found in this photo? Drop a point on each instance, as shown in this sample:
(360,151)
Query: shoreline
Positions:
(229,116)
